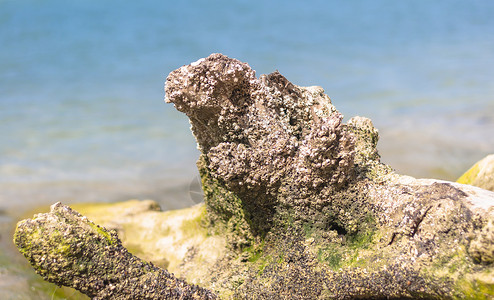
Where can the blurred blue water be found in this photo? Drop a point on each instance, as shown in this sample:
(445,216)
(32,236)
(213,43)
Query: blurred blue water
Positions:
(81,83)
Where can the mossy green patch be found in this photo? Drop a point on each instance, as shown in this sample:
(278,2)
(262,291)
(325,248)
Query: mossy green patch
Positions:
(254,252)
(350,252)
(195,226)
(103,233)
(475,289)
(225,210)
(360,240)
(453,263)
(470,280)
(331,255)
(469,176)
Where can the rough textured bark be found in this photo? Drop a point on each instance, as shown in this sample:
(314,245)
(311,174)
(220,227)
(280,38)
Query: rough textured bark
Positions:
(68,249)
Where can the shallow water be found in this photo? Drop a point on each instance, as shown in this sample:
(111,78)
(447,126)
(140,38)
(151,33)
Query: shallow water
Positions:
(81,87)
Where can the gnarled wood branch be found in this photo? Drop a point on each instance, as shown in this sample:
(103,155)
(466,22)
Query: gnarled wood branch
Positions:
(67,249)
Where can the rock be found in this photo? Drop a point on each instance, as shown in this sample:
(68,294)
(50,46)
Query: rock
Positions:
(299,205)
(481,174)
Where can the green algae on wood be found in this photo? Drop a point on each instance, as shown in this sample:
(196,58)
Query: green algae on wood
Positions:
(67,249)
(481,174)
(165,238)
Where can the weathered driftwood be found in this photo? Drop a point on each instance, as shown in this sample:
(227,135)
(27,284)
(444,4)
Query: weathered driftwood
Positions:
(67,249)
(307,209)
(280,169)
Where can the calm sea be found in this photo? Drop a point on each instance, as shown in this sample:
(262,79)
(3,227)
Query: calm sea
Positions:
(82,116)
(81,84)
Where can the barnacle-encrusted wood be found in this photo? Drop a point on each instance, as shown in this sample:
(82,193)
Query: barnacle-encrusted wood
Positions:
(68,249)
(279,165)
(297,202)
(266,140)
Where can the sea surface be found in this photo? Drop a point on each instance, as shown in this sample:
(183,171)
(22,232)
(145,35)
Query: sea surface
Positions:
(82,117)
